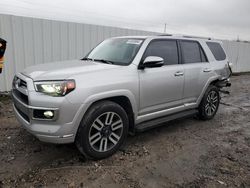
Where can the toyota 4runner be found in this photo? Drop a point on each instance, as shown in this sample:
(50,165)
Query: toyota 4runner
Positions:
(124,85)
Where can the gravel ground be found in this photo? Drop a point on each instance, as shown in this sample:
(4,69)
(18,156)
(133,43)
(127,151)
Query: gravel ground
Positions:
(183,153)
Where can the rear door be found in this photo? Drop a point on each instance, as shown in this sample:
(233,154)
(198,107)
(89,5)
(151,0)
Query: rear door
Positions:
(197,70)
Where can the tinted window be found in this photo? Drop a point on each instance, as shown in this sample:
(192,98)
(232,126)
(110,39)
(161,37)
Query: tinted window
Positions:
(203,56)
(217,51)
(166,49)
(192,52)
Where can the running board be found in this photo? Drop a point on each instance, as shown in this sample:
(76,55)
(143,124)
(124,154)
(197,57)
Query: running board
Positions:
(158,121)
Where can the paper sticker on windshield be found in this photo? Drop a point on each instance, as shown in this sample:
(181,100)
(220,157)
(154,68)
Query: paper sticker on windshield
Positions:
(134,41)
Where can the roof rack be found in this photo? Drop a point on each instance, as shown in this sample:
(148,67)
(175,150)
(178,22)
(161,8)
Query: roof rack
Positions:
(188,36)
(165,35)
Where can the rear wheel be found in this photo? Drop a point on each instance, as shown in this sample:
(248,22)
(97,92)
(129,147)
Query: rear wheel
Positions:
(210,103)
(103,130)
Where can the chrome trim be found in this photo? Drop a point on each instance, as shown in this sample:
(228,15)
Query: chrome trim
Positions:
(51,136)
(159,112)
(15,85)
(179,73)
(19,101)
(207,70)
(189,104)
(67,136)
(20,116)
(40,119)
(22,90)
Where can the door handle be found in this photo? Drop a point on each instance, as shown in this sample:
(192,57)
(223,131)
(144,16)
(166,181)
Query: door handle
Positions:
(179,73)
(207,70)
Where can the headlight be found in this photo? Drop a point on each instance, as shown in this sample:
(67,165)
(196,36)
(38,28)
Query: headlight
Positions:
(55,88)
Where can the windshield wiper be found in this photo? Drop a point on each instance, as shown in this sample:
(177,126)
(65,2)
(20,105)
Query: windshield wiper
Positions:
(100,60)
(86,58)
(104,61)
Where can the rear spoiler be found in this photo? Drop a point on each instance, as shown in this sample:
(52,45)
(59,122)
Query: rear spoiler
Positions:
(2,51)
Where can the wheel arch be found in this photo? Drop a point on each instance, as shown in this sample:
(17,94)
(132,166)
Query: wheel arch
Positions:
(125,99)
(212,81)
(125,103)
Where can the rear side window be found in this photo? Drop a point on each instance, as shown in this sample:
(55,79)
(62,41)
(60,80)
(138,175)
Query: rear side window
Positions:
(192,52)
(166,49)
(203,56)
(217,51)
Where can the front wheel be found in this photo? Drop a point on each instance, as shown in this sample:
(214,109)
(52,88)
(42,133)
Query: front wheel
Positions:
(103,130)
(209,104)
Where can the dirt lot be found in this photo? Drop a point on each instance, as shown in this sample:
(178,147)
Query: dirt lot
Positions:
(183,153)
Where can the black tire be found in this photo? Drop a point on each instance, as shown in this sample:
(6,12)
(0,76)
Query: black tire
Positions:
(93,123)
(209,106)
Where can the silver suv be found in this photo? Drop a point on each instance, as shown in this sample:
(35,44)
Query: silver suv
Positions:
(124,85)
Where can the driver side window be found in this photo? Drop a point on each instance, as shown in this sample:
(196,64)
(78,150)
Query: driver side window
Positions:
(166,49)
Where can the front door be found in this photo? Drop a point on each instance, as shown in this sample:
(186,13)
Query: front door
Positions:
(161,88)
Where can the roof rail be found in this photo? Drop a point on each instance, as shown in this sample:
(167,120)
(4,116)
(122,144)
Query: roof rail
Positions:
(165,34)
(188,36)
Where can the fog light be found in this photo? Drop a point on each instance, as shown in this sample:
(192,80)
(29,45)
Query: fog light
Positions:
(48,114)
(44,114)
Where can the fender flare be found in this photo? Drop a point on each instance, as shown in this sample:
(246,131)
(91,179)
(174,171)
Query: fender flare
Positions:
(114,93)
(210,80)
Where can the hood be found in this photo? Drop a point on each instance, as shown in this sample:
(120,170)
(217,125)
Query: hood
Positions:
(64,69)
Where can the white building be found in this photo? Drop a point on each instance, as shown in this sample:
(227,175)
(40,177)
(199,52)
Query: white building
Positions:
(33,41)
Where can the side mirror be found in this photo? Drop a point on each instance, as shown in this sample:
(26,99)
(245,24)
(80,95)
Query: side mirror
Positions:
(152,61)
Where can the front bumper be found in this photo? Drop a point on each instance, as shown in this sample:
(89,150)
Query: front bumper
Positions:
(61,129)
(35,129)
(45,133)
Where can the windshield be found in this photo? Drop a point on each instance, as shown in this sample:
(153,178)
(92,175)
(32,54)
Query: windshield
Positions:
(120,51)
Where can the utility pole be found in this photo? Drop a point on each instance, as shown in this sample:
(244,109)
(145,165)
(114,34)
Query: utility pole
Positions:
(165,27)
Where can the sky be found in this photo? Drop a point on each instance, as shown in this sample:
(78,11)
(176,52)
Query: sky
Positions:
(222,19)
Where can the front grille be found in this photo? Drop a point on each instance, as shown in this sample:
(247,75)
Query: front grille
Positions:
(23,84)
(24,116)
(21,96)
(18,82)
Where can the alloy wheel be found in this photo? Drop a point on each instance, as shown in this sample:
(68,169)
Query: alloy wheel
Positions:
(211,103)
(105,132)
